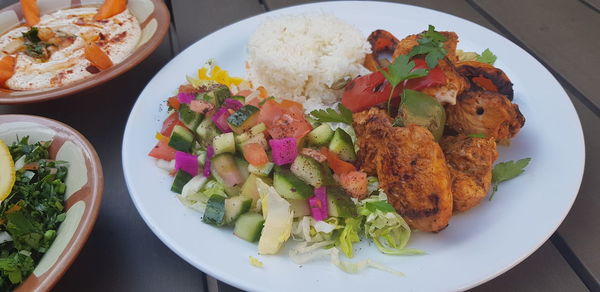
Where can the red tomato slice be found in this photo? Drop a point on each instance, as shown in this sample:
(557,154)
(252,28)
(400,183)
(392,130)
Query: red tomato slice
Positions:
(162,151)
(339,166)
(284,120)
(169,123)
(369,90)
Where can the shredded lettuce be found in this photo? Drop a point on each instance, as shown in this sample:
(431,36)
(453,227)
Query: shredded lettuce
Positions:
(373,184)
(305,252)
(198,190)
(349,236)
(310,230)
(278,219)
(385,227)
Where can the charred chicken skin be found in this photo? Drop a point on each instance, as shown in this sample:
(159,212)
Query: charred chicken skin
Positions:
(470,161)
(410,166)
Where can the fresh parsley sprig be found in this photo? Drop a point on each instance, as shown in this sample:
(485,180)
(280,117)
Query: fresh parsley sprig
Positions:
(332,116)
(507,170)
(431,44)
(487,57)
(400,70)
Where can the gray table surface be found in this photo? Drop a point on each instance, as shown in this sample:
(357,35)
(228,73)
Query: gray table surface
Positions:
(122,254)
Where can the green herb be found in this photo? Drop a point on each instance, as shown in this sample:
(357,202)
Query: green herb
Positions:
(32,213)
(487,57)
(477,135)
(262,102)
(401,69)
(507,170)
(330,115)
(382,206)
(431,44)
(34,46)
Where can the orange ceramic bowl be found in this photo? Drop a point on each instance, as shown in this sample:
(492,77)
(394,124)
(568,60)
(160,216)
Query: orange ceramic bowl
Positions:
(153,16)
(85,183)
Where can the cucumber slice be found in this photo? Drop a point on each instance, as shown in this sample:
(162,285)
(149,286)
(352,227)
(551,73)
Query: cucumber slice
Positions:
(225,170)
(215,211)
(181,178)
(249,226)
(243,119)
(217,95)
(300,207)
(250,190)
(206,132)
(291,187)
(181,139)
(339,203)
(309,170)
(263,170)
(190,118)
(236,206)
(341,144)
(320,136)
(224,143)
(242,166)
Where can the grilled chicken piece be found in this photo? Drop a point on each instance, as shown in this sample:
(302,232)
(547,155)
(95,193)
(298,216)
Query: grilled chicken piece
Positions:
(456,83)
(412,170)
(483,76)
(470,161)
(371,128)
(410,166)
(485,112)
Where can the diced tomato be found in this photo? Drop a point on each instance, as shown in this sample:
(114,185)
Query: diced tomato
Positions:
(366,91)
(355,183)
(169,123)
(339,166)
(173,102)
(163,151)
(283,120)
(255,154)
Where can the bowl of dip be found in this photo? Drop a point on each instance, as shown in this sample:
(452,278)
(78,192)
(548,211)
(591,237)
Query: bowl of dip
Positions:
(49,57)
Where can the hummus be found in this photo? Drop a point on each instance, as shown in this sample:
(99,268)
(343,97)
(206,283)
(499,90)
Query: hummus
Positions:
(56,55)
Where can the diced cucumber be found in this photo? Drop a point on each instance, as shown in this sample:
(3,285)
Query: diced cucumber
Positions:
(206,132)
(190,118)
(215,211)
(242,165)
(224,143)
(263,170)
(225,170)
(181,139)
(341,144)
(250,190)
(243,137)
(249,226)
(239,98)
(236,206)
(320,136)
(300,207)
(291,187)
(328,179)
(217,95)
(181,178)
(339,203)
(243,119)
(259,128)
(308,170)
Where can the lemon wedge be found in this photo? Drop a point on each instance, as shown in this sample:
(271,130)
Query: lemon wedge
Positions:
(7,171)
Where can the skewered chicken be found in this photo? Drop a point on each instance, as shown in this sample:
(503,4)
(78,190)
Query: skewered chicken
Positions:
(470,161)
(410,166)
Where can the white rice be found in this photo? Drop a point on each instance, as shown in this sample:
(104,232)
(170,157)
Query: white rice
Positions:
(299,57)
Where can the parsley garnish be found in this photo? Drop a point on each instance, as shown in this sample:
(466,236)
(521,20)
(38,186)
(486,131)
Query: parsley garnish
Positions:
(487,57)
(507,170)
(477,135)
(431,44)
(34,46)
(332,116)
(400,70)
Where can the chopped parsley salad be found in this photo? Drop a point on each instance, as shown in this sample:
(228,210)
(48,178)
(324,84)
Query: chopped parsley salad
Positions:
(272,172)
(32,188)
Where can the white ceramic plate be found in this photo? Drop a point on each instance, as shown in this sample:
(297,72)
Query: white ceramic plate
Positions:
(477,246)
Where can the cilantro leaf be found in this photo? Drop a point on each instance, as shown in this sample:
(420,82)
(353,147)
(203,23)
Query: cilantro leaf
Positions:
(401,69)
(432,35)
(487,57)
(507,170)
(330,115)
(431,44)
(382,206)
(477,135)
